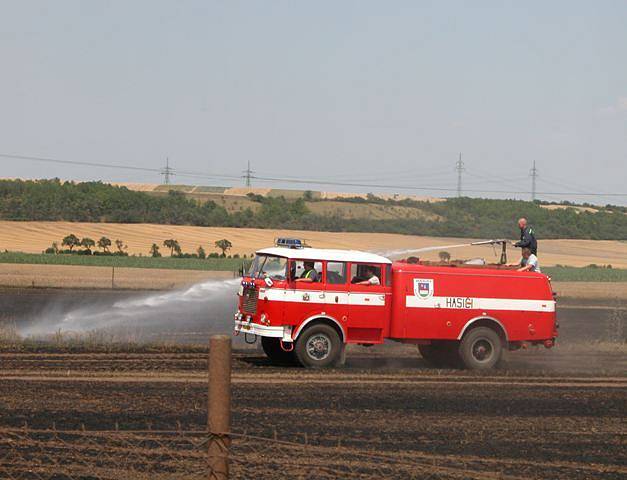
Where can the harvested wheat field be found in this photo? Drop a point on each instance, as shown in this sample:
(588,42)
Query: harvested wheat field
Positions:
(34,237)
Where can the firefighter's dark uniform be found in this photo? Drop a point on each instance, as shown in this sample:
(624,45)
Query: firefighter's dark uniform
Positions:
(528,239)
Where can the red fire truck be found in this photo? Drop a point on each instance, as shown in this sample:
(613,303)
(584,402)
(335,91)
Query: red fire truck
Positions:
(457,315)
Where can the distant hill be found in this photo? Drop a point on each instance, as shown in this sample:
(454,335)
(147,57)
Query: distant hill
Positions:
(211,192)
(214,206)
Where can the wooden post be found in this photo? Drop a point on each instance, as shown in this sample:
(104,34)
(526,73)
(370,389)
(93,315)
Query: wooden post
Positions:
(219,414)
(113,278)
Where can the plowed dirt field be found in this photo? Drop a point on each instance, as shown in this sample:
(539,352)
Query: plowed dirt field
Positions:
(383,412)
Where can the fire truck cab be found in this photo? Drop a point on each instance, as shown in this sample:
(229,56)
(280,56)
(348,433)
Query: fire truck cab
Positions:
(457,315)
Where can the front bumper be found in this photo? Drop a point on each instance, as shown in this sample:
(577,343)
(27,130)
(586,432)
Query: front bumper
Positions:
(282,332)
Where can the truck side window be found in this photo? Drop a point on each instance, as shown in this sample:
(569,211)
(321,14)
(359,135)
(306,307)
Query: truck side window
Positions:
(388,275)
(297,270)
(336,273)
(360,272)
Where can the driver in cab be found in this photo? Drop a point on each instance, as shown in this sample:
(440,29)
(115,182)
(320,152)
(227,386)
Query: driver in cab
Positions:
(309,274)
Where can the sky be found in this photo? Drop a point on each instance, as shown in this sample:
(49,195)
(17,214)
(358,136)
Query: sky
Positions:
(382,94)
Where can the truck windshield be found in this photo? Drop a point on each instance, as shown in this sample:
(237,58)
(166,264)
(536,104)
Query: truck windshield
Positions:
(268,266)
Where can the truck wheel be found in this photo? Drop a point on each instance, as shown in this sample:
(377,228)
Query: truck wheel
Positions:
(481,349)
(319,346)
(272,348)
(441,354)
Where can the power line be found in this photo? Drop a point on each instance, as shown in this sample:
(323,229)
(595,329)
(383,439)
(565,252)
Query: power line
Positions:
(459,166)
(498,178)
(495,179)
(534,175)
(205,175)
(411,187)
(248,174)
(167,172)
(116,166)
(363,177)
(70,162)
(577,189)
(573,186)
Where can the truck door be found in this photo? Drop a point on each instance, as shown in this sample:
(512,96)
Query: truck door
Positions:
(304,299)
(336,292)
(369,301)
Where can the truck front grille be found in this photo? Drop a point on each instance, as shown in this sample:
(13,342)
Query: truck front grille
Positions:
(249,304)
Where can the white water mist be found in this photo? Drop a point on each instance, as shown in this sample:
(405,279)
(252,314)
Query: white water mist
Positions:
(398,253)
(202,308)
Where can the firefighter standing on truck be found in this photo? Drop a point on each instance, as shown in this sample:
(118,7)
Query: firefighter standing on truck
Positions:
(527,237)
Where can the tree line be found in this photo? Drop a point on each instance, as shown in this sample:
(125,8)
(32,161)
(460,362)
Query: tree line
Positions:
(455,217)
(74,244)
(71,241)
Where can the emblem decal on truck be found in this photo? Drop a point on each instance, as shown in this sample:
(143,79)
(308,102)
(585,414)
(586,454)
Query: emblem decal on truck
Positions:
(423,287)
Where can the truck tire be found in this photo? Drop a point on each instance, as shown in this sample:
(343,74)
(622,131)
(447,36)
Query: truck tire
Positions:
(481,349)
(319,346)
(441,354)
(272,348)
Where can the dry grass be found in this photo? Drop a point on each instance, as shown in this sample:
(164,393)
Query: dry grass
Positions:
(34,237)
(385,196)
(71,276)
(577,209)
(592,290)
(363,210)
(265,192)
(231,203)
(138,187)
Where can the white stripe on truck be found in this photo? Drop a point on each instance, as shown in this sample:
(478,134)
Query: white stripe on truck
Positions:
(320,296)
(475,303)
(412,301)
